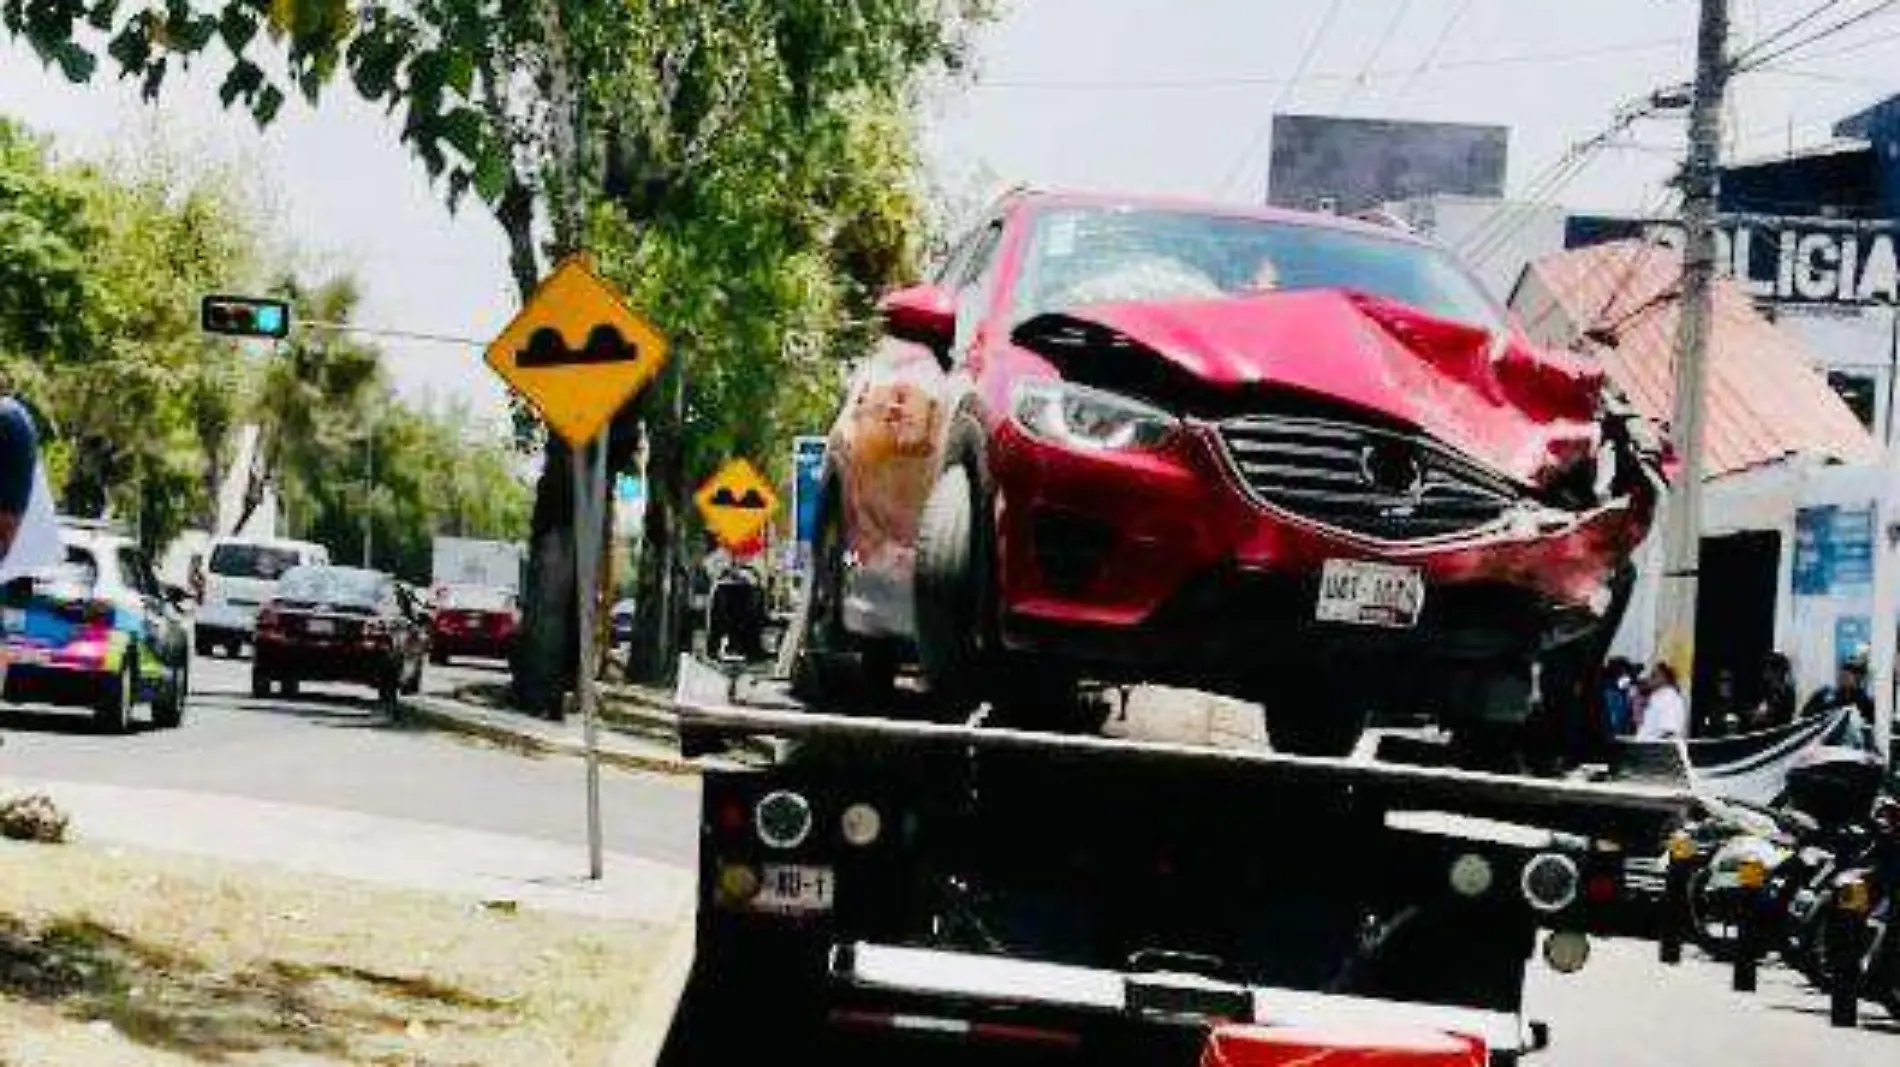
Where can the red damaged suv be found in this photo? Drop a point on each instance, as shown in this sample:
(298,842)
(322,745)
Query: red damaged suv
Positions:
(1296,458)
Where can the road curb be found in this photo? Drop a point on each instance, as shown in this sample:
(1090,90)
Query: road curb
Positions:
(644,1036)
(444,715)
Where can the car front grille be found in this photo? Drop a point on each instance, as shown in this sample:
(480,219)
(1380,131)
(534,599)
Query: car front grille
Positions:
(1364,479)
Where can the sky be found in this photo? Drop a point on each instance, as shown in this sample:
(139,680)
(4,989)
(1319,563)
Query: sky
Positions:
(1162,96)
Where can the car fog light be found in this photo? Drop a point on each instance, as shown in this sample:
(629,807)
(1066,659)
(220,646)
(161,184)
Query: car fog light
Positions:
(1566,951)
(861,825)
(1681,847)
(1471,875)
(738,883)
(783,819)
(1550,882)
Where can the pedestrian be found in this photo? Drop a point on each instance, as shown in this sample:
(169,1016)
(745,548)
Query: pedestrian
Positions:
(1723,714)
(1665,714)
(1616,697)
(1849,690)
(1778,698)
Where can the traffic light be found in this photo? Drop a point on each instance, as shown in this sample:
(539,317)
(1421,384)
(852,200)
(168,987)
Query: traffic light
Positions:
(245,316)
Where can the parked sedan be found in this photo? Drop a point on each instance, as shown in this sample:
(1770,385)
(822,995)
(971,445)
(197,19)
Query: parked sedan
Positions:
(339,624)
(474,620)
(97,631)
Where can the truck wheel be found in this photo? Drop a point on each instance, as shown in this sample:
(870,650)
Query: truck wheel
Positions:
(113,714)
(1314,720)
(833,667)
(950,584)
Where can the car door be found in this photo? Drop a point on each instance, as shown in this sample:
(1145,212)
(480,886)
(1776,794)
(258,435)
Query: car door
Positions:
(886,451)
(136,587)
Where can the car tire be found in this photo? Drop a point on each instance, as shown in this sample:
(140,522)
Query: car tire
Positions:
(1311,720)
(260,683)
(288,685)
(113,714)
(389,690)
(168,711)
(439,658)
(836,670)
(233,649)
(951,578)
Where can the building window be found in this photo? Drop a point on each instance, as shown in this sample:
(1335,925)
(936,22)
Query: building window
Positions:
(1859,391)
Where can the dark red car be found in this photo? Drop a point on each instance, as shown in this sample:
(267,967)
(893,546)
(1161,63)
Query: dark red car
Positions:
(1298,458)
(340,624)
(474,620)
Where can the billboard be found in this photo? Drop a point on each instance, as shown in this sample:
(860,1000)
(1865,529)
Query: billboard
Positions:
(1323,163)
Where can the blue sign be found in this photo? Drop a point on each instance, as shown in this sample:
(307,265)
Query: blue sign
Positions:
(630,491)
(808,473)
(1853,635)
(1853,562)
(1813,550)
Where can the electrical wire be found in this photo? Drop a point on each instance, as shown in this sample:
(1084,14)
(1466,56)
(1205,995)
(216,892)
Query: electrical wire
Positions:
(1438,45)
(1299,71)
(1788,27)
(1753,59)
(1358,83)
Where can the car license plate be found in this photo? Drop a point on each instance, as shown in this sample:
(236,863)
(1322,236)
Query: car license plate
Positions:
(1370,594)
(793,889)
(319,626)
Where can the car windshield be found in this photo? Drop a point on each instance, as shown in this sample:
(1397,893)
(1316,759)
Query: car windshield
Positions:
(251,561)
(1083,256)
(334,585)
(477,598)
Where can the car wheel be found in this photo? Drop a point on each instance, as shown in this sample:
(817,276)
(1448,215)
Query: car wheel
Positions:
(233,649)
(113,715)
(951,575)
(1312,720)
(834,668)
(439,658)
(389,690)
(260,682)
(168,711)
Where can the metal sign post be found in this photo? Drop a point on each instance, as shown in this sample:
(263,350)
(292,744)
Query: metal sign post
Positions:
(590,513)
(579,353)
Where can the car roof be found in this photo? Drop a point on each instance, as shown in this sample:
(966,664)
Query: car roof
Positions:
(270,542)
(340,569)
(93,537)
(1263,212)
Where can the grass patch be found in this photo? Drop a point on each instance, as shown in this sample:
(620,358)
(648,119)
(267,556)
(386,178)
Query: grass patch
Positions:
(116,957)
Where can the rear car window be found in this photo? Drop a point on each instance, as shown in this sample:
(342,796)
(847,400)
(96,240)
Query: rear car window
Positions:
(71,578)
(252,561)
(477,598)
(334,585)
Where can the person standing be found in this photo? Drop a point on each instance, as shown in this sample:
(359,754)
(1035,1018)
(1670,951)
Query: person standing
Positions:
(1665,713)
(1849,690)
(1777,694)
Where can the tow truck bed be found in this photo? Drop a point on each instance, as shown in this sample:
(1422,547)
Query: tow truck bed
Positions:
(1116,901)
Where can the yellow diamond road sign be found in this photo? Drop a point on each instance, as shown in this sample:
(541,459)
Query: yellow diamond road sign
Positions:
(577,351)
(736,503)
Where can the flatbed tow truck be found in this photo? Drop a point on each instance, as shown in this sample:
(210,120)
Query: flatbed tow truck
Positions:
(960,893)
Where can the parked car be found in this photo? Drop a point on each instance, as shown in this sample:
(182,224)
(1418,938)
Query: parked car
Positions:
(98,631)
(241,575)
(340,624)
(474,620)
(1243,449)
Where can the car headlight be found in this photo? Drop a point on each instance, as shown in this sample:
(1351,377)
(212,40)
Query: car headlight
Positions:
(1090,419)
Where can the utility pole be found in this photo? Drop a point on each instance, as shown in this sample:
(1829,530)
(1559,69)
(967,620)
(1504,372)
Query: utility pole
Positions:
(369,491)
(1682,533)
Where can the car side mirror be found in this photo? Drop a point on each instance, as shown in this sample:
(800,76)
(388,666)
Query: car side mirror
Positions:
(924,314)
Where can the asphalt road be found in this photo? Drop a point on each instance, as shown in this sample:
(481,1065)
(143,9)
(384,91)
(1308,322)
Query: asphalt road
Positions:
(332,747)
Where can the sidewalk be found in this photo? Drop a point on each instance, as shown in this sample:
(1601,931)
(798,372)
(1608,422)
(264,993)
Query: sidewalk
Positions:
(528,872)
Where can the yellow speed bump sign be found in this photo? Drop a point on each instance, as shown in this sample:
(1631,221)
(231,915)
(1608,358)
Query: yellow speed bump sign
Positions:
(736,503)
(577,351)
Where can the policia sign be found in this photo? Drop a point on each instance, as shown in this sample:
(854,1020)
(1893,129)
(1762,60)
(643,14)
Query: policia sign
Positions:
(1777,260)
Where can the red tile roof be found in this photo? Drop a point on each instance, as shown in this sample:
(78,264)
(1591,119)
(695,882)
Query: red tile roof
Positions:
(1766,399)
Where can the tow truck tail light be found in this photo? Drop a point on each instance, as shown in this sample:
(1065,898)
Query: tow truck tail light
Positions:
(783,819)
(1288,1046)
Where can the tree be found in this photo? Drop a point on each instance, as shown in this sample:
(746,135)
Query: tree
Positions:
(636,122)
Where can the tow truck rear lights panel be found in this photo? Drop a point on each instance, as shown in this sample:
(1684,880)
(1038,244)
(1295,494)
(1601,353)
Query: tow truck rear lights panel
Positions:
(957,1029)
(783,819)
(1550,882)
(861,825)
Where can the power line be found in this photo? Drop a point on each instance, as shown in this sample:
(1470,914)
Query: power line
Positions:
(1753,59)
(1378,49)
(1431,54)
(1787,28)
(1299,71)
(1239,81)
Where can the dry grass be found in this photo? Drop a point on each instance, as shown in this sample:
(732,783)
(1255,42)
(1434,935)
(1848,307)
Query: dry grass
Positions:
(125,958)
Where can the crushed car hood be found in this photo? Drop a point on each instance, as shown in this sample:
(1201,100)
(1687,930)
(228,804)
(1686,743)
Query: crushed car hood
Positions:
(1520,411)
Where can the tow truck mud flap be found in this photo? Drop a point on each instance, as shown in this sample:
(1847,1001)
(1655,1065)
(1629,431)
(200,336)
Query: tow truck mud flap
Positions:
(996,1000)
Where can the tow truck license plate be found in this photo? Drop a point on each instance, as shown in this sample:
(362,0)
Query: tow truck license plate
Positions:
(1370,594)
(319,626)
(793,889)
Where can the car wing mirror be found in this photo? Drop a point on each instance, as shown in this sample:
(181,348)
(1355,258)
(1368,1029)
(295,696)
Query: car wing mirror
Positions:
(923,314)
